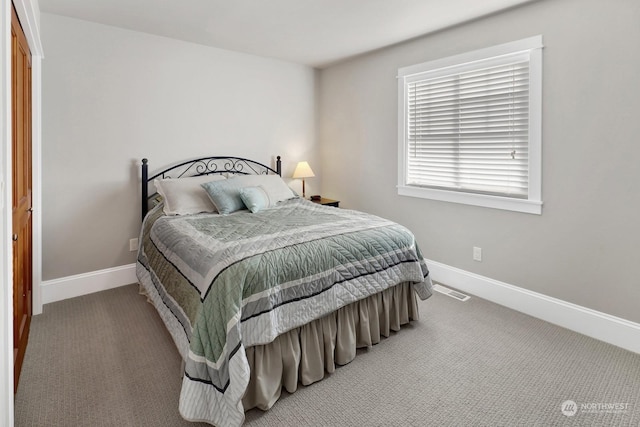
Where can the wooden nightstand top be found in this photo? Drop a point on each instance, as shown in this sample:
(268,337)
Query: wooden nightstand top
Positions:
(327,202)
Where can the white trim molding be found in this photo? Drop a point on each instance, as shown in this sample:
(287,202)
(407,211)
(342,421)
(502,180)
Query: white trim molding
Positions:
(601,326)
(36,184)
(87,283)
(28,12)
(6,256)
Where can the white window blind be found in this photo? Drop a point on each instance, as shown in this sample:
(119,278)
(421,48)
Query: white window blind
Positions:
(467,127)
(468,131)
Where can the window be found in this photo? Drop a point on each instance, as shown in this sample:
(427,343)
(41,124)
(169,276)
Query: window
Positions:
(470,128)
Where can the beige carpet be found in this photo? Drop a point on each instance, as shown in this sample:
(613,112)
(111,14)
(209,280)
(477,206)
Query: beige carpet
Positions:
(106,360)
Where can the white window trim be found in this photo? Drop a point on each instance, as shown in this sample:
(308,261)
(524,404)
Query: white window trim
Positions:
(533,204)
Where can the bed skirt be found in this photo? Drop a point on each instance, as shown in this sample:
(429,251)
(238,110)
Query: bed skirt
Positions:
(303,355)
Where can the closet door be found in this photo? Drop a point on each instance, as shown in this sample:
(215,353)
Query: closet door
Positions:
(22,208)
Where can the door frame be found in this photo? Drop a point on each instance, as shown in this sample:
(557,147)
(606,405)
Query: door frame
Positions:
(29,14)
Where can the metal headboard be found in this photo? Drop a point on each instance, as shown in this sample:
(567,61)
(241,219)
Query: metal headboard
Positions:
(204,166)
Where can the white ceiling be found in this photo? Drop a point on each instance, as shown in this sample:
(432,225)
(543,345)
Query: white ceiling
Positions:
(310,32)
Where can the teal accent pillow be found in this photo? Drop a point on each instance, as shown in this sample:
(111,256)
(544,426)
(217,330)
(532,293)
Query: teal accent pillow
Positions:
(225,195)
(255,198)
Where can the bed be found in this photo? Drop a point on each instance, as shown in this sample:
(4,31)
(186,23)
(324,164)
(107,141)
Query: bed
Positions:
(262,290)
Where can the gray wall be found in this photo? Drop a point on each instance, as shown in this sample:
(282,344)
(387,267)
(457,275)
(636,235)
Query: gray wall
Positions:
(584,248)
(113,96)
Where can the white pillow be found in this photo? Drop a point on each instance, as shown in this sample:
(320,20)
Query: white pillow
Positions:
(184,196)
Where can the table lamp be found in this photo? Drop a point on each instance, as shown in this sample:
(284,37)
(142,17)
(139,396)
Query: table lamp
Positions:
(303,170)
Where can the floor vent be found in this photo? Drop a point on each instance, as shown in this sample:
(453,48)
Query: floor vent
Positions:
(450,292)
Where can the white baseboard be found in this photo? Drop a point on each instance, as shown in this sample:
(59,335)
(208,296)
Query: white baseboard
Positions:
(604,327)
(87,283)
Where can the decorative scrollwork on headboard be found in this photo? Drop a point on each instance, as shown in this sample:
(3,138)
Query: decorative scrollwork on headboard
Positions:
(204,166)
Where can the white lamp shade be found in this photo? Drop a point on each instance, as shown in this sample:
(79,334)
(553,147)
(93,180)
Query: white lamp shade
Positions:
(303,170)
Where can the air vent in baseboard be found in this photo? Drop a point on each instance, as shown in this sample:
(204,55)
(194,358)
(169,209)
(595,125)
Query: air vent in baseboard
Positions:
(450,292)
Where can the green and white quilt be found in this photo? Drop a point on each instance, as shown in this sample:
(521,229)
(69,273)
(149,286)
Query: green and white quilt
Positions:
(222,283)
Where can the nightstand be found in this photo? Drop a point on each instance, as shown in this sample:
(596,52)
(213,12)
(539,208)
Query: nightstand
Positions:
(327,202)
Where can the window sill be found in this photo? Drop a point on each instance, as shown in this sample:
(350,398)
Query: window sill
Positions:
(496,202)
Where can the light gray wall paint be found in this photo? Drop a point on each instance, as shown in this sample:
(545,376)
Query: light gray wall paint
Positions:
(113,96)
(584,248)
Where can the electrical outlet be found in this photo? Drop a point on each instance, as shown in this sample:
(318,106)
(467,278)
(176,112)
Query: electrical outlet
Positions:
(133,244)
(477,253)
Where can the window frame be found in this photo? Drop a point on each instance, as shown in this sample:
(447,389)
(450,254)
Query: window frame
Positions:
(455,64)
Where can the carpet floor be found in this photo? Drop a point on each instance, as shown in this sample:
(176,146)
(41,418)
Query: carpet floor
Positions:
(105,359)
